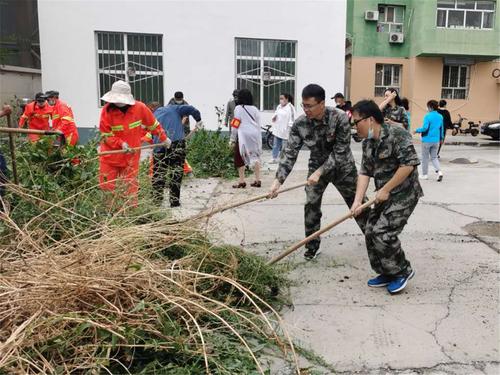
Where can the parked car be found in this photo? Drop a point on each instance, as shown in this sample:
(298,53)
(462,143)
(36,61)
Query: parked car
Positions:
(492,129)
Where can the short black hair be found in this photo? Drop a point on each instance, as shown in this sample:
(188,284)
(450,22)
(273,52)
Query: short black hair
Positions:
(179,95)
(288,97)
(40,96)
(338,95)
(314,91)
(442,103)
(397,99)
(368,108)
(52,93)
(405,103)
(235,92)
(245,97)
(433,104)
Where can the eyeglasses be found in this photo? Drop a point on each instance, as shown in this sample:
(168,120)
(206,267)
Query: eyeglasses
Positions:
(355,122)
(308,107)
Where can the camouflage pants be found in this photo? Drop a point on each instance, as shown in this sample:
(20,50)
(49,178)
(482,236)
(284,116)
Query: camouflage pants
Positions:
(346,186)
(385,222)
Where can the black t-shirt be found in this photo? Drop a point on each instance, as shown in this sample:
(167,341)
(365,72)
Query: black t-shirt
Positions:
(347,106)
(446,118)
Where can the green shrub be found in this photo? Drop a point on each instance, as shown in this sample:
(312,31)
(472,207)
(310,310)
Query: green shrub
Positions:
(210,155)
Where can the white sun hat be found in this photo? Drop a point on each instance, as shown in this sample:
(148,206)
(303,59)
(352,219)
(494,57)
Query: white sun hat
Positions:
(120,93)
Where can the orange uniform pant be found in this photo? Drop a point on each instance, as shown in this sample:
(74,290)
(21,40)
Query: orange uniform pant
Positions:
(110,176)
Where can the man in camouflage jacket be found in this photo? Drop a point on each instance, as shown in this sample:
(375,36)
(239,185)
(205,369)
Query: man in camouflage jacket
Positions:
(326,132)
(389,157)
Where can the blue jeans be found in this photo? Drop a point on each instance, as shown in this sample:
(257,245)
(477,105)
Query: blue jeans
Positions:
(278,145)
(430,149)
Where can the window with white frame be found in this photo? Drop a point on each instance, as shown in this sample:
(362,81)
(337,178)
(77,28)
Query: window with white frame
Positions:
(390,19)
(387,76)
(455,82)
(134,58)
(266,68)
(465,14)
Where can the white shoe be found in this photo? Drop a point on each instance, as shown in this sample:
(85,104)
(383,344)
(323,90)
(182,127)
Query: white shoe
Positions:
(423,177)
(440,176)
(273,161)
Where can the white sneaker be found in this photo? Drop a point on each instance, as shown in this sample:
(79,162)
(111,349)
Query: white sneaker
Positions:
(273,161)
(423,177)
(440,176)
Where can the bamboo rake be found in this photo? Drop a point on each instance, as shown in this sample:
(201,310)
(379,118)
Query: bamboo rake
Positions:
(215,210)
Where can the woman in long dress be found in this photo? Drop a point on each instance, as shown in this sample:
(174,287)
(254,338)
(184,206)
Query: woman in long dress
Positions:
(247,138)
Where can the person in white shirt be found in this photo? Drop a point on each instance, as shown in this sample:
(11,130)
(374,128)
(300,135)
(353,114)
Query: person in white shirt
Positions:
(246,138)
(282,123)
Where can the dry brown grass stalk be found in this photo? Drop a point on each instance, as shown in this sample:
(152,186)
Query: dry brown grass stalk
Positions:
(94,301)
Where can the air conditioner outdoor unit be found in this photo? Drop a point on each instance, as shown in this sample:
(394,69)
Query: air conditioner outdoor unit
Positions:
(371,15)
(396,37)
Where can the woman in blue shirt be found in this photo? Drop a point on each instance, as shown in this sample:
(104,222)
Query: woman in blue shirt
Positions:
(432,133)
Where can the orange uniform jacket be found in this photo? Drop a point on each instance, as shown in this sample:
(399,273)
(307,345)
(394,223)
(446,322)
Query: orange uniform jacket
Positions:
(117,127)
(63,120)
(37,118)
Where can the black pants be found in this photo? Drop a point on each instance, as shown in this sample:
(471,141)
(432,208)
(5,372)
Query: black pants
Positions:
(3,175)
(168,171)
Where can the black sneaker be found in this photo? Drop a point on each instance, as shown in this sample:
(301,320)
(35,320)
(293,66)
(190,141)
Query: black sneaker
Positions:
(311,254)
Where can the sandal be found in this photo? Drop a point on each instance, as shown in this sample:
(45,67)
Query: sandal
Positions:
(256,184)
(240,185)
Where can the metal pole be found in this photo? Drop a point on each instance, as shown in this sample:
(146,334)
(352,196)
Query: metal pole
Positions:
(12,146)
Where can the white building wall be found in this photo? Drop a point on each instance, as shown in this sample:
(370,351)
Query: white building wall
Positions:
(198,41)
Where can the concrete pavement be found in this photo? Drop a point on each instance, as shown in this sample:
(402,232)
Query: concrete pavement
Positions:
(446,320)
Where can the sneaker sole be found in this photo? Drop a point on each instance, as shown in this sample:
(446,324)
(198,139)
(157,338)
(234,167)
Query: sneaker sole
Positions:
(378,285)
(403,285)
(314,257)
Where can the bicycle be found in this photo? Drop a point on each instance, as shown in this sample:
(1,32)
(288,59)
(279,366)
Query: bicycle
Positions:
(268,136)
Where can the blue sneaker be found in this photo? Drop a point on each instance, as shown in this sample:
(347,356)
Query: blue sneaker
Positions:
(380,280)
(399,283)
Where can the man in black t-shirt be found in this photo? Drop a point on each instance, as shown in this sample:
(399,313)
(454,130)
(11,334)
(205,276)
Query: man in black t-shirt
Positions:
(447,123)
(341,103)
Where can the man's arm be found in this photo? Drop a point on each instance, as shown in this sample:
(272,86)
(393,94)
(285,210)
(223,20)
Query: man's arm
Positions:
(189,110)
(25,116)
(401,174)
(152,126)
(107,134)
(408,161)
(290,153)
(361,188)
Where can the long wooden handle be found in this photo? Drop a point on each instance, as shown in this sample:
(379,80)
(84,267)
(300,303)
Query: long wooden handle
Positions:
(30,131)
(131,149)
(316,234)
(217,210)
(12,147)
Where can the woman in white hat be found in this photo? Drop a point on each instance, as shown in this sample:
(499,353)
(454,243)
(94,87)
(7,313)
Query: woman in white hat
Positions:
(122,124)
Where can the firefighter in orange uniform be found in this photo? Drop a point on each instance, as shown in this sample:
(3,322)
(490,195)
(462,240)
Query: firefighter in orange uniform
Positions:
(37,115)
(62,118)
(123,123)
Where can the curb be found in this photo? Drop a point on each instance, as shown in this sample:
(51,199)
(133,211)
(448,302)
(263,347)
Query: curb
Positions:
(473,143)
